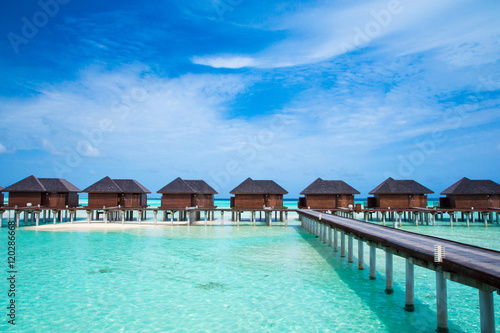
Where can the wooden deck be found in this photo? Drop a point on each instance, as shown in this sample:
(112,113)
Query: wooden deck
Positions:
(463,263)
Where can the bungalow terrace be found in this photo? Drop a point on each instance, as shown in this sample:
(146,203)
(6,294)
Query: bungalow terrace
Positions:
(107,192)
(467,194)
(398,194)
(46,192)
(327,194)
(257,194)
(180,193)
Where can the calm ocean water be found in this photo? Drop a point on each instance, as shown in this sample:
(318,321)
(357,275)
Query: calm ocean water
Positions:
(230,279)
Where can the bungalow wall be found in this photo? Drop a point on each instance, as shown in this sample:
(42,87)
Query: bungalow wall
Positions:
(72,200)
(176,200)
(344,200)
(54,199)
(274,200)
(249,201)
(318,201)
(400,200)
(133,200)
(203,200)
(1,199)
(98,200)
(478,201)
(20,199)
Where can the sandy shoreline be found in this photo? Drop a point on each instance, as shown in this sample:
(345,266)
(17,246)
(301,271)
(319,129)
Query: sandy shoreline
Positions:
(92,226)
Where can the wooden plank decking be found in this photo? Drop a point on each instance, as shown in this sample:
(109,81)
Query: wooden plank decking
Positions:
(472,262)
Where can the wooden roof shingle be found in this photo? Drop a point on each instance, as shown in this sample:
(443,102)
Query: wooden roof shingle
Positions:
(201,187)
(108,185)
(131,186)
(392,186)
(320,186)
(468,186)
(180,186)
(34,184)
(1,189)
(58,185)
(250,186)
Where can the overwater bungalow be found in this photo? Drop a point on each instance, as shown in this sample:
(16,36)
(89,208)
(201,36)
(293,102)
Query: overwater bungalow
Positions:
(180,193)
(327,194)
(107,192)
(46,192)
(402,194)
(1,196)
(467,194)
(257,194)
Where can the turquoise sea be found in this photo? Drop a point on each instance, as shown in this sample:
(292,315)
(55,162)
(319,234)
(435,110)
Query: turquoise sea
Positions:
(222,279)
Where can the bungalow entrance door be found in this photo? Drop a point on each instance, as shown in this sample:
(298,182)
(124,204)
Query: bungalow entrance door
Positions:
(267,201)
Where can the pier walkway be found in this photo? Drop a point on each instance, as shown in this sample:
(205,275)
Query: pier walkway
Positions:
(470,265)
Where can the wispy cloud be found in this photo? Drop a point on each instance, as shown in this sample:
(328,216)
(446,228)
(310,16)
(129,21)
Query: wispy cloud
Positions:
(459,29)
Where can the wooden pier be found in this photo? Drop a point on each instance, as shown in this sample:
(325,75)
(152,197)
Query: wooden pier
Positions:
(466,264)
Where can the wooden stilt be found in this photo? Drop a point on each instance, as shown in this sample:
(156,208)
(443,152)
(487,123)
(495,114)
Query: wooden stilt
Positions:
(410,283)
(373,259)
(361,264)
(442,302)
(388,273)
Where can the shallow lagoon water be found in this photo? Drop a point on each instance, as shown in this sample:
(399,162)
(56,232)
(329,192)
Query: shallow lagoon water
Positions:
(223,279)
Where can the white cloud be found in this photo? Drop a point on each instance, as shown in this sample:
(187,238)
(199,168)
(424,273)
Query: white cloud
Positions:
(399,27)
(233,62)
(2,149)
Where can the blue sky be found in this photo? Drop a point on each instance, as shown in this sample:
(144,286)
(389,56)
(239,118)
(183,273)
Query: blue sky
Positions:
(225,89)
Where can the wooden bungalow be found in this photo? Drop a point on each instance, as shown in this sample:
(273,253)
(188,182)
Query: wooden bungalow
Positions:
(399,194)
(1,196)
(327,194)
(257,194)
(181,193)
(46,192)
(107,192)
(467,193)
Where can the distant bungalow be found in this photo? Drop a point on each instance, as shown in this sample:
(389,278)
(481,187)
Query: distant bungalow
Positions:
(180,194)
(399,194)
(327,194)
(257,194)
(46,192)
(466,193)
(1,196)
(107,192)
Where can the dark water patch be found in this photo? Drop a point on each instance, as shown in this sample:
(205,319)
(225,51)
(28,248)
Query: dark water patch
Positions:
(212,286)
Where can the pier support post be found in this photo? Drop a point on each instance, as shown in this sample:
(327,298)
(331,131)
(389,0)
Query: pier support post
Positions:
(37,218)
(155,213)
(335,240)
(485,218)
(410,286)
(286,219)
(361,264)
(342,244)
(330,236)
(388,273)
(442,302)
(350,249)
(54,216)
(373,263)
(486,308)
(467,219)
(325,235)
(222,218)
